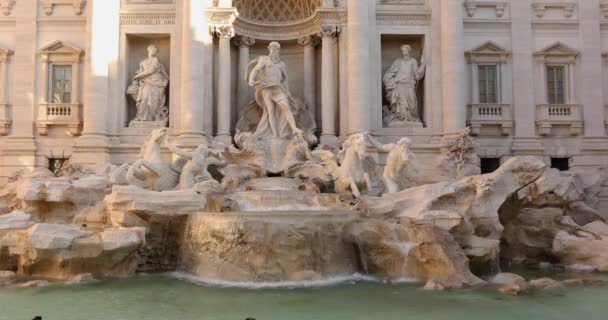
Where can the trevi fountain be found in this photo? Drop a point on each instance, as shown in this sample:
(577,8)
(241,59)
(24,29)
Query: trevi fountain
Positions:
(274,218)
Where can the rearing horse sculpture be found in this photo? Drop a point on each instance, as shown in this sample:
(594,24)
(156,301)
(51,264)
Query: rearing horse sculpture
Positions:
(353,171)
(151,171)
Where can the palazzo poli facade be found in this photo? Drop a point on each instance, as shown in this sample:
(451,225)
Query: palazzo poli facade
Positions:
(528,77)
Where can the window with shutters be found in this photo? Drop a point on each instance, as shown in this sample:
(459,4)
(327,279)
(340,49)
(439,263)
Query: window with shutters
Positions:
(61,85)
(487,76)
(556,76)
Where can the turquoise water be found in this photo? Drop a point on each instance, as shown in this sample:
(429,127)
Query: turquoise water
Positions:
(162,297)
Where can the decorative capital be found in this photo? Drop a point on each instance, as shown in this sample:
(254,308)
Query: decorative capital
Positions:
(244,42)
(224,31)
(329,31)
(308,41)
(6,6)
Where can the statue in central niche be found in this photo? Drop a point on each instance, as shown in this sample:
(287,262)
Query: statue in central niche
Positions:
(269,77)
(275,118)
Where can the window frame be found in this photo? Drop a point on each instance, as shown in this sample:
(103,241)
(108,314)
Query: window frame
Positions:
(483,99)
(51,87)
(564,88)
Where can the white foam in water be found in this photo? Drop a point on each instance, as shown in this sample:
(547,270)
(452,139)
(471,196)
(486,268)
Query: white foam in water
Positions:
(283,284)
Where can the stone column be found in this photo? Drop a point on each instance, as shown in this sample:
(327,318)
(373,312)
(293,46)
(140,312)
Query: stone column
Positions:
(102,50)
(525,140)
(359,65)
(224,92)
(196,71)
(309,43)
(328,85)
(243,86)
(453,67)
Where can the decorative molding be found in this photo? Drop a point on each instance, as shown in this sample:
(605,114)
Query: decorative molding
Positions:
(47,5)
(540,8)
(329,31)
(244,42)
(4,54)
(68,114)
(488,52)
(604,8)
(148,2)
(486,24)
(225,31)
(44,22)
(548,115)
(480,115)
(309,41)
(147,18)
(276,12)
(557,52)
(60,51)
(6,6)
(499,7)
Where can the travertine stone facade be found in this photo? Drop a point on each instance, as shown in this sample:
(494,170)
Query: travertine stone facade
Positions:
(530,77)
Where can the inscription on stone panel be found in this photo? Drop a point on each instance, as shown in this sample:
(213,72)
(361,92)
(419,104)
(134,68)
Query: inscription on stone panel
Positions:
(149,1)
(405,2)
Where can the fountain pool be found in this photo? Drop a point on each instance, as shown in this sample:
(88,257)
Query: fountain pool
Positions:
(165,297)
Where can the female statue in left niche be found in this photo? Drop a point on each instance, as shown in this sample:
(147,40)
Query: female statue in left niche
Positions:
(148,88)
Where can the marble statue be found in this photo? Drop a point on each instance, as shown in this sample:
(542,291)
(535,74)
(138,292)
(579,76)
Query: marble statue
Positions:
(151,171)
(148,89)
(196,169)
(352,169)
(270,122)
(401,82)
(399,157)
(269,77)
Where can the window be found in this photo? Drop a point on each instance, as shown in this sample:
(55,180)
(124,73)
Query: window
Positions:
(489,165)
(61,90)
(555,84)
(487,83)
(56,164)
(561,164)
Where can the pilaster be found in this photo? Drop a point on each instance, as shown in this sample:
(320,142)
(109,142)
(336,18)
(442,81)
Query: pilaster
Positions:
(525,140)
(102,47)
(19,150)
(453,67)
(196,74)
(359,65)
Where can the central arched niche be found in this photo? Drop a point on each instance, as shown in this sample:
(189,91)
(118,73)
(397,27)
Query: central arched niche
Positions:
(276,11)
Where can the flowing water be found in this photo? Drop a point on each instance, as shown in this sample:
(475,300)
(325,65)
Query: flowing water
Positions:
(164,297)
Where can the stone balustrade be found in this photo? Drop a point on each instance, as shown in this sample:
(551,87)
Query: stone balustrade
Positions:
(494,114)
(548,115)
(67,114)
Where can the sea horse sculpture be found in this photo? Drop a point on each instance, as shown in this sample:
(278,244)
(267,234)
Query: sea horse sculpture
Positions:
(152,171)
(352,173)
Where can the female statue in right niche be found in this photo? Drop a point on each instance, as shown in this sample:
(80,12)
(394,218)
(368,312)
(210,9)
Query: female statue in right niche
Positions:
(148,88)
(401,81)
